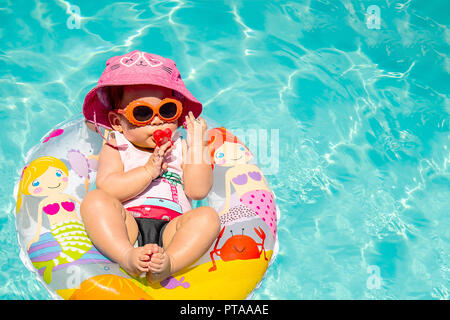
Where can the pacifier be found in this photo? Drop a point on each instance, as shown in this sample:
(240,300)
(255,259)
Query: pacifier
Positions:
(162,136)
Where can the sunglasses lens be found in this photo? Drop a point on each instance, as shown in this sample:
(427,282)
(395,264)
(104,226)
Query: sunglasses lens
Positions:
(142,113)
(168,110)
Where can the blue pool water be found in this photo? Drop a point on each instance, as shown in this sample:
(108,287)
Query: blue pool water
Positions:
(362,116)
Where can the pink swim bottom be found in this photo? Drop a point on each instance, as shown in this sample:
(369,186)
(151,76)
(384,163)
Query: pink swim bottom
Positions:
(154,212)
(262,202)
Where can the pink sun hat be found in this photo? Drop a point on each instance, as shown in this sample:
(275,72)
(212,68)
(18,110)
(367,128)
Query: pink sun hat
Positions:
(135,68)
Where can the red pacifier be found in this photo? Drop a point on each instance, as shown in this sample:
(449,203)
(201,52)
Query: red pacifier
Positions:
(162,136)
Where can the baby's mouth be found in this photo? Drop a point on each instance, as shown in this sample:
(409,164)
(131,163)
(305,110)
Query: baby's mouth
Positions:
(55,187)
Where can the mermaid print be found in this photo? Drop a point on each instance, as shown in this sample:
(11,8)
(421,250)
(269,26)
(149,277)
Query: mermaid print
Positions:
(47,177)
(247,179)
(83,166)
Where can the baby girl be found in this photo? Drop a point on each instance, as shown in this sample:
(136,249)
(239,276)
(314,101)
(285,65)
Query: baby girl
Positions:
(140,215)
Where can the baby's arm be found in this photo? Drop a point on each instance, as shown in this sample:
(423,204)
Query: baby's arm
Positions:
(197,172)
(126,185)
(198,177)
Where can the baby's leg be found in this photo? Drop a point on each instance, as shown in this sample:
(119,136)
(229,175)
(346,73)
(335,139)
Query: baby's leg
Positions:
(113,231)
(185,239)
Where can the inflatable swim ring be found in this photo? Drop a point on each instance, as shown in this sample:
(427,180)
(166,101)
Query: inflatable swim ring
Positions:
(54,244)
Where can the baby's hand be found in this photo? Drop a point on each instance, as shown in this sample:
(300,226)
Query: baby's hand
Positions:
(196,130)
(155,165)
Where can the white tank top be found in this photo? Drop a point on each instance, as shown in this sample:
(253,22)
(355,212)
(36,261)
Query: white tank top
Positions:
(168,188)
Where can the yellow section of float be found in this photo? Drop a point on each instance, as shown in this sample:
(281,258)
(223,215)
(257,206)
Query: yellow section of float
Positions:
(232,280)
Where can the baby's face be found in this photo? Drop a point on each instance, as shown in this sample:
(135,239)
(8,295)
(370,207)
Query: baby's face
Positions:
(143,136)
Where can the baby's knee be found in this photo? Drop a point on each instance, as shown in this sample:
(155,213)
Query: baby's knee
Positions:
(96,201)
(210,217)
(93,198)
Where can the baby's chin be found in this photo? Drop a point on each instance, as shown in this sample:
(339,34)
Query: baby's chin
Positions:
(147,145)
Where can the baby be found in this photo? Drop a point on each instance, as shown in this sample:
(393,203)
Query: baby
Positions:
(143,189)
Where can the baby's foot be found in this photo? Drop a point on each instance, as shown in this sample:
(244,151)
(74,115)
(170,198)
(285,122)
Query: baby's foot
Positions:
(159,266)
(137,259)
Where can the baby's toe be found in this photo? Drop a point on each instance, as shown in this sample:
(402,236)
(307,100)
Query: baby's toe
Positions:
(152,248)
(148,248)
(157,258)
(155,267)
(143,266)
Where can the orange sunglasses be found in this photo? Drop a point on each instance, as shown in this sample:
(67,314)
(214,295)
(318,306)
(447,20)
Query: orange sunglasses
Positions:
(141,113)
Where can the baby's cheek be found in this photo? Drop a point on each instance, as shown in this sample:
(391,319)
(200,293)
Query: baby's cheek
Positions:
(221,161)
(37,190)
(65,179)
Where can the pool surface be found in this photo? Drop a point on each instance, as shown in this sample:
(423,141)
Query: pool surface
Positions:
(356,93)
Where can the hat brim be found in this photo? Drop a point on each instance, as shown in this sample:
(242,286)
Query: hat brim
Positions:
(97,113)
